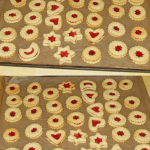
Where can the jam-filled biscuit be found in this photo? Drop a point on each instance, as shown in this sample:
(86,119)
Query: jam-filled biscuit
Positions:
(32,145)
(34,88)
(119,2)
(111,95)
(96,5)
(87,85)
(76,3)
(18,3)
(136,2)
(125,84)
(13,100)
(37,5)
(12,89)
(109,84)
(142,147)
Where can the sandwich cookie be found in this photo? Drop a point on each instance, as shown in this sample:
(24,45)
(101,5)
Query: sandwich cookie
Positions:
(37,5)
(125,84)
(18,3)
(66,87)
(32,146)
(34,88)
(113,107)
(13,100)
(111,95)
(108,84)
(119,2)
(12,89)
(87,85)
(96,5)
(76,3)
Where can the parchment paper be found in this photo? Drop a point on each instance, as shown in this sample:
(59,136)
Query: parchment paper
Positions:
(46,56)
(137,90)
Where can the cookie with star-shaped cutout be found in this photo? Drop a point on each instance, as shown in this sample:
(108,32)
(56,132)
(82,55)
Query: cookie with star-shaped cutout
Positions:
(66,87)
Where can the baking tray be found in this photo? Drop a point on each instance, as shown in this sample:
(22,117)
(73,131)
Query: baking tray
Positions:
(46,59)
(138,90)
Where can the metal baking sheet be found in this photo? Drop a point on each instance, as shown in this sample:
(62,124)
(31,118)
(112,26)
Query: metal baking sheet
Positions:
(46,59)
(138,90)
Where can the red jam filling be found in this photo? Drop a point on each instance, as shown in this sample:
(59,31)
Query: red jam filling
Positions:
(112,106)
(76,0)
(116,28)
(91,52)
(18,1)
(95,122)
(144,149)
(50,92)
(118,48)
(77,135)
(33,111)
(112,94)
(29,31)
(56,136)
(98,140)
(34,87)
(90,95)
(31,148)
(72,33)
(30,99)
(131,102)
(116,9)
(138,32)
(93,35)
(12,134)
(74,15)
(137,12)
(142,134)
(109,83)
(12,15)
(12,88)
(64,54)
(33,17)
(29,53)
(87,83)
(117,119)
(7,32)
(54,20)
(12,114)
(120,133)
(54,105)
(34,130)
(96,109)
(139,54)
(76,117)
(5,48)
(125,83)
(37,4)
(52,38)
(54,7)
(94,18)
(138,116)
(67,85)
(13,100)
(55,120)
(95,3)
(74,101)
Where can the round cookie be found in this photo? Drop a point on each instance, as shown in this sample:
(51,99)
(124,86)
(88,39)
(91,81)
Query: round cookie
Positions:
(120,134)
(11,135)
(33,18)
(94,20)
(34,88)
(33,131)
(91,55)
(34,113)
(54,107)
(137,13)
(32,146)
(13,100)
(12,148)
(12,16)
(8,34)
(18,3)
(76,3)
(142,136)
(29,32)
(139,33)
(116,11)
(125,84)
(131,102)
(108,84)
(31,100)
(111,95)
(137,117)
(12,89)
(73,102)
(96,5)
(139,55)
(7,50)
(37,5)
(142,147)
(55,122)
(119,2)
(113,106)
(116,29)
(12,114)
(50,94)
(117,49)
(136,2)
(76,119)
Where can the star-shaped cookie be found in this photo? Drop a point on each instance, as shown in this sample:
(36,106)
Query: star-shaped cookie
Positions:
(77,137)
(72,35)
(98,141)
(51,39)
(66,87)
(64,55)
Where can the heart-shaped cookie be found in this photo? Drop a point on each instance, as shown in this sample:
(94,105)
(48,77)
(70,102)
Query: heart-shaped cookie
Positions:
(54,8)
(94,36)
(96,110)
(55,138)
(95,123)
(87,85)
(89,96)
(54,21)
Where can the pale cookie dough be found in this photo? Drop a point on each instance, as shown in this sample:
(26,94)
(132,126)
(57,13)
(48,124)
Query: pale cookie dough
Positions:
(108,84)
(76,3)
(139,55)
(94,20)
(119,2)
(37,5)
(54,107)
(8,34)
(33,145)
(34,88)
(13,100)
(11,135)
(96,5)
(7,50)
(12,89)
(12,16)
(136,2)
(111,95)
(87,85)
(59,1)
(55,122)
(29,32)
(120,134)
(12,148)
(116,29)
(91,55)
(33,131)
(12,114)
(33,18)
(117,49)
(116,147)
(18,3)
(131,102)
(137,13)
(142,147)
(113,106)
(116,120)
(137,117)
(142,136)
(125,84)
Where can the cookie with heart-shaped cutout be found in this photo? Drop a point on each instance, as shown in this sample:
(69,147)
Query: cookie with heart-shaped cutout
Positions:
(89,96)
(55,138)
(96,110)
(94,36)
(95,123)
(87,85)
